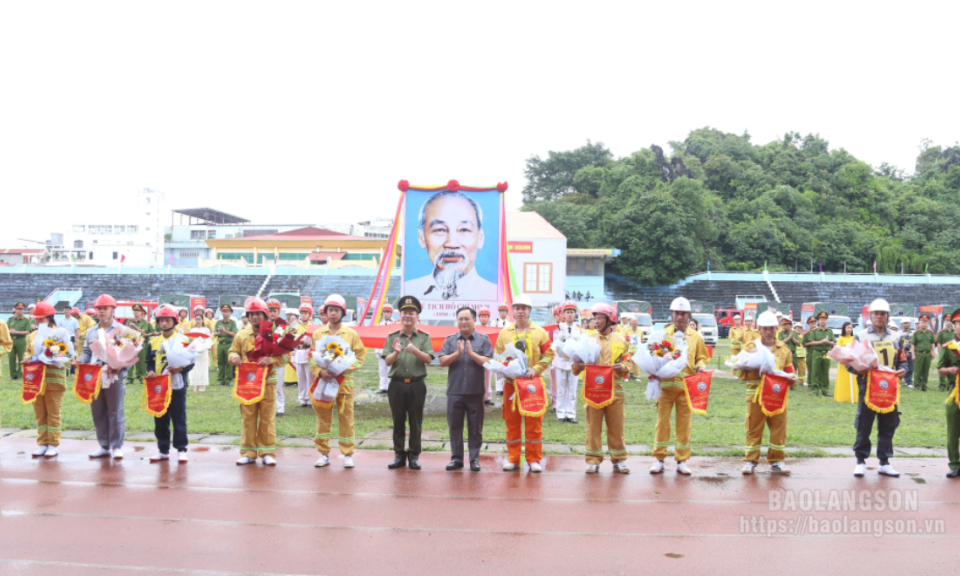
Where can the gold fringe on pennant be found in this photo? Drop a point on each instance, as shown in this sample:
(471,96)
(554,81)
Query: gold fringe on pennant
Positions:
(43,388)
(244,401)
(166,401)
(96,392)
(878,410)
(686,392)
(763,409)
(517,405)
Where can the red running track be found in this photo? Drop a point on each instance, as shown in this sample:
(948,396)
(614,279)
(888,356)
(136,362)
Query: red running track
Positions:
(73,516)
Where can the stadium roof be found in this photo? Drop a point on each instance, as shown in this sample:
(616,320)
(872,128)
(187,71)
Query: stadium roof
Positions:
(211,215)
(306,233)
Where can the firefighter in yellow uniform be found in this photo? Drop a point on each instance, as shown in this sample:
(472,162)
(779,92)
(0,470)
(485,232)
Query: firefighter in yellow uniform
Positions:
(756,420)
(48,406)
(86,322)
(736,335)
(674,393)
(259,435)
(535,342)
(335,308)
(631,331)
(613,346)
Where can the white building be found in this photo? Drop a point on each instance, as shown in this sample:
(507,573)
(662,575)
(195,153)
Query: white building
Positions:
(378,228)
(538,257)
(135,241)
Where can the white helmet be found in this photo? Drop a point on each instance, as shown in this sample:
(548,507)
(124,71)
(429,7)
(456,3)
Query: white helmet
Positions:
(879,305)
(680,304)
(522,300)
(767,319)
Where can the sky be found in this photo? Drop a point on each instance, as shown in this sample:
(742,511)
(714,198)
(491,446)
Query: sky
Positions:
(290,112)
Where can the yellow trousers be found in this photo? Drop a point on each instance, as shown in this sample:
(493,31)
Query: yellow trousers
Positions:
(801,368)
(669,397)
(344,408)
(755,423)
(616,444)
(259,435)
(49,421)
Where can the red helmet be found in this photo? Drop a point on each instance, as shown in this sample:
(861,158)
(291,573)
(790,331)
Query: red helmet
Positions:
(167,311)
(90,312)
(43,309)
(75,311)
(605,309)
(254,304)
(335,300)
(104,301)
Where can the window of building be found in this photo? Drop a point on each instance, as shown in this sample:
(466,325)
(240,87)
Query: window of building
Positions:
(131,229)
(79,228)
(130,243)
(211,234)
(198,234)
(119,229)
(95,241)
(114,255)
(189,254)
(78,243)
(147,199)
(91,256)
(538,278)
(148,213)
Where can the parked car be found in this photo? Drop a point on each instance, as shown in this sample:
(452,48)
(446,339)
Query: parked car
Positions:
(708,328)
(836,323)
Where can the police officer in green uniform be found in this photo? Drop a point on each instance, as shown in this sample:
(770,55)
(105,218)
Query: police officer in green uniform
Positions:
(410,352)
(141,325)
(948,366)
(923,342)
(790,339)
(944,337)
(224,331)
(20,326)
(818,342)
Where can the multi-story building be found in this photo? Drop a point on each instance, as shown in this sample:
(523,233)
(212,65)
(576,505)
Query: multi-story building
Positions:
(378,228)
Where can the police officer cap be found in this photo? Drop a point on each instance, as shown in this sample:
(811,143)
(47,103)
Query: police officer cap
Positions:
(410,302)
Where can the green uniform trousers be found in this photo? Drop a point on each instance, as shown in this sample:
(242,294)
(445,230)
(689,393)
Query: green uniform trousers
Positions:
(224,368)
(139,370)
(16,357)
(953,434)
(946,382)
(819,367)
(921,370)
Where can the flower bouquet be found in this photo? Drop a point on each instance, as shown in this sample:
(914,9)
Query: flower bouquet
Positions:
(512,364)
(856,356)
(584,350)
(117,350)
(661,358)
(334,355)
(53,347)
(180,353)
(275,338)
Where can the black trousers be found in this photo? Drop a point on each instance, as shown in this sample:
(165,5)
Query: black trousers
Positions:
(176,413)
(886,426)
(406,404)
(470,405)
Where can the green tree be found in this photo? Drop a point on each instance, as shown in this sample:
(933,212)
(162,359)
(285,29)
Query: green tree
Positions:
(553,177)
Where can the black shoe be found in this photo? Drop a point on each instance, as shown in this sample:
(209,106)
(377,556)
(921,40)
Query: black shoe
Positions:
(454,465)
(572,420)
(475,465)
(400,462)
(953,473)
(500,393)
(381,391)
(415,464)
(279,414)
(488,402)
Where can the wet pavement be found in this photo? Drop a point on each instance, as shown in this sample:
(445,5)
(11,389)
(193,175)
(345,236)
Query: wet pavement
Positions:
(71,515)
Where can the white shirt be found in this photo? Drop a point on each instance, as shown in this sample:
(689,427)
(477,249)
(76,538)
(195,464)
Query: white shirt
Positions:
(563,333)
(470,287)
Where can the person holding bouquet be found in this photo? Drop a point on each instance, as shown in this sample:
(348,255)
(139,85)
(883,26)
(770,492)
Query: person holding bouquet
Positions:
(535,343)
(674,392)
(757,419)
(613,352)
(886,345)
(335,308)
(259,419)
(43,343)
(157,363)
(411,350)
(567,381)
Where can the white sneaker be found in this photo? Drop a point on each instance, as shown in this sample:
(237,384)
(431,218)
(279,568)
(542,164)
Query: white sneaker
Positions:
(348,461)
(860,470)
(748,468)
(682,468)
(159,457)
(117,454)
(593,468)
(40,451)
(657,467)
(324,460)
(621,468)
(779,468)
(101,453)
(269,461)
(182,457)
(51,452)
(244,460)
(510,467)
(535,467)
(887,470)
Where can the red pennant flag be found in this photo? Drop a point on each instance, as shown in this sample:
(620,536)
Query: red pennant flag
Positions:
(86,384)
(34,383)
(697,389)
(883,391)
(598,386)
(157,395)
(772,394)
(530,398)
(250,383)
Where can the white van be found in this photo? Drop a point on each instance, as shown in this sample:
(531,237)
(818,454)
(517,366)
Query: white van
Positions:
(836,323)
(708,328)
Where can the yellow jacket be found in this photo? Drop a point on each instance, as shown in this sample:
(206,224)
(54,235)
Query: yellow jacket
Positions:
(350,337)
(697,355)
(244,342)
(85,323)
(784,362)
(629,332)
(736,336)
(612,347)
(6,342)
(539,353)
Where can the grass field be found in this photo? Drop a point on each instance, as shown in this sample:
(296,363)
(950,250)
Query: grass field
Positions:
(813,422)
